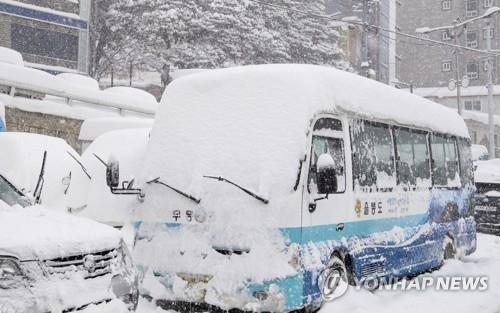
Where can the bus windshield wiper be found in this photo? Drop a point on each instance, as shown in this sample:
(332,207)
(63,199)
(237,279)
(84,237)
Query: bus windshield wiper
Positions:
(84,169)
(249,192)
(159,182)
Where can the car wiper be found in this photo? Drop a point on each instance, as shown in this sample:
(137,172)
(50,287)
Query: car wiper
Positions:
(84,169)
(37,194)
(249,192)
(159,182)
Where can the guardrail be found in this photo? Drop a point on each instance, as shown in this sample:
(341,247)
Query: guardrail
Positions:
(35,84)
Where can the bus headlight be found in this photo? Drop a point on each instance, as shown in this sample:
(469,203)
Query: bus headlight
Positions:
(11,273)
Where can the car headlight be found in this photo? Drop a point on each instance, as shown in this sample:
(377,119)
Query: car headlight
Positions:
(11,273)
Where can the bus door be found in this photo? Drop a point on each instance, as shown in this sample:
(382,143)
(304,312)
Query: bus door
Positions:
(324,210)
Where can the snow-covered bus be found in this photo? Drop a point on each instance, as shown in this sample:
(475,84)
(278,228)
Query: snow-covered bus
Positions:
(270,188)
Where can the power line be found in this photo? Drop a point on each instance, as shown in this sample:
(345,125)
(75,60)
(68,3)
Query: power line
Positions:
(326,17)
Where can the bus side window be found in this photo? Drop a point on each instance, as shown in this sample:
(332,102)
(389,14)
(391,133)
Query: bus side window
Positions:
(445,157)
(373,155)
(413,160)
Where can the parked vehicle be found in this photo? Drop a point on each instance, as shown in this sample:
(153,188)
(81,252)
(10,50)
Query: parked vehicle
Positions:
(94,127)
(479,153)
(64,169)
(270,188)
(52,262)
(487,179)
(92,195)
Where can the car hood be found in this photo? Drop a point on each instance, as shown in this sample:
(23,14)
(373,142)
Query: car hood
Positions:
(35,233)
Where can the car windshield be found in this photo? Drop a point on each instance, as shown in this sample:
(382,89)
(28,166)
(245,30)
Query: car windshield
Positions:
(10,195)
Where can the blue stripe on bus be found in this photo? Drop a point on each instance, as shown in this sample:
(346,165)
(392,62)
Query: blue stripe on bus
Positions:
(357,228)
(42,15)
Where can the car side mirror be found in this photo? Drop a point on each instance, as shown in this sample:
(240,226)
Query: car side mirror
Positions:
(113,173)
(326,175)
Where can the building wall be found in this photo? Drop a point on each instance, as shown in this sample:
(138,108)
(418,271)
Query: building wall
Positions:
(421,63)
(61,42)
(44,124)
(7,23)
(452,102)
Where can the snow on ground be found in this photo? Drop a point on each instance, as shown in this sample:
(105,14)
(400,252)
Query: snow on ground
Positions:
(484,262)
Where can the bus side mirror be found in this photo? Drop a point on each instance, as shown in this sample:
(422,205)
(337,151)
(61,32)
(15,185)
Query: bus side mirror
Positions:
(326,175)
(113,174)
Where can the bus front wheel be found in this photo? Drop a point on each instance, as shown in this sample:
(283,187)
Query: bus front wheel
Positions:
(334,280)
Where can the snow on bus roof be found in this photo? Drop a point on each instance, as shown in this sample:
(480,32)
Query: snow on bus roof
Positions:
(332,90)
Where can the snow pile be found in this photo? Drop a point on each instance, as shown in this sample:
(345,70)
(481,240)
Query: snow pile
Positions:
(487,171)
(22,164)
(94,195)
(135,95)
(35,233)
(94,127)
(79,80)
(62,88)
(178,73)
(59,107)
(11,57)
(479,117)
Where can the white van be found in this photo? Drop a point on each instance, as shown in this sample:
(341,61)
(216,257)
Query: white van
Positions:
(52,262)
(270,188)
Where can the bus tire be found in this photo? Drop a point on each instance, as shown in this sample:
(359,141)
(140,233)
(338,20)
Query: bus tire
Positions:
(449,250)
(333,282)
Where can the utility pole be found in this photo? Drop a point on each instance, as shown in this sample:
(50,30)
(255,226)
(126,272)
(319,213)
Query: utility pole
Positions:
(491,103)
(364,41)
(455,35)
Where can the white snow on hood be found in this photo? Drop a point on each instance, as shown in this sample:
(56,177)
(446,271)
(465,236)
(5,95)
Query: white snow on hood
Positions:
(35,233)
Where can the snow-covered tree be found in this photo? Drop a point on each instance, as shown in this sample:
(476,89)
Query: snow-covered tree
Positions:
(221,33)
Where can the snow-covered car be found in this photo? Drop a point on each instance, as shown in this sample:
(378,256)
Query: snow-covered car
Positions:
(95,127)
(487,179)
(64,170)
(89,199)
(53,262)
(479,153)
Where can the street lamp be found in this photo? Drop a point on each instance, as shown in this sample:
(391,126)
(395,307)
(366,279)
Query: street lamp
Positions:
(453,32)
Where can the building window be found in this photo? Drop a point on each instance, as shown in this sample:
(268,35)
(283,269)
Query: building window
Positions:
(445,36)
(488,32)
(44,43)
(487,3)
(446,66)
(471,8)
(472,70)
(472,105)
(471,39)
(446,5)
